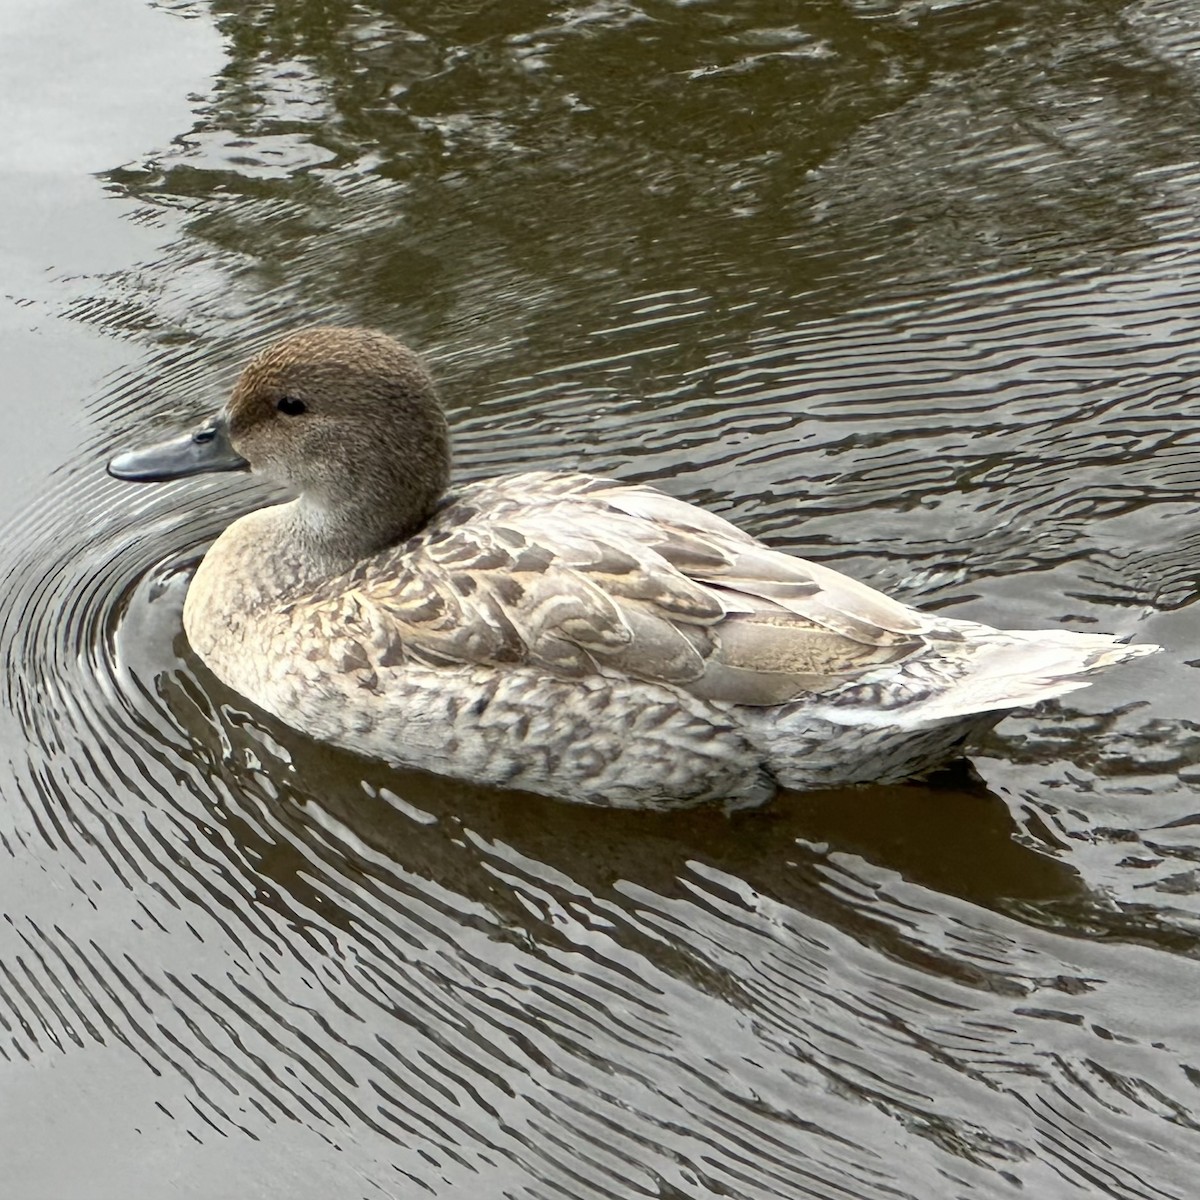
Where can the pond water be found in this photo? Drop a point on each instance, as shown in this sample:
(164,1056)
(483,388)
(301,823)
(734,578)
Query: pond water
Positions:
(909,288)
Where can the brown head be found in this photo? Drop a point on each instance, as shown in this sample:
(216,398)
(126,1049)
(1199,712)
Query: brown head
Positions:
(344,417)
(347,418)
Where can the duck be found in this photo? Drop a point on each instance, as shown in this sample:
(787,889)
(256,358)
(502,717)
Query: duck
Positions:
(557,632)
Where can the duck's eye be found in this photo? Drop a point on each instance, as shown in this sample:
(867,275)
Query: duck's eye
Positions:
(291,406)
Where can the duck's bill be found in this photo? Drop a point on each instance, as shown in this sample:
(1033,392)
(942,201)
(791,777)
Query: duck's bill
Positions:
(206,448)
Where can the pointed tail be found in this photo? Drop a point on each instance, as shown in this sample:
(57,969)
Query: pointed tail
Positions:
(1016,668)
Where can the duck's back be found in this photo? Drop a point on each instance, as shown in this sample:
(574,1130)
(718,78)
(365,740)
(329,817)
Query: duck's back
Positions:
(580,576)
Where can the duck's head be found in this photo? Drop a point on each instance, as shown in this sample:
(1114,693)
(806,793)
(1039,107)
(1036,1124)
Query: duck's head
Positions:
(346,418)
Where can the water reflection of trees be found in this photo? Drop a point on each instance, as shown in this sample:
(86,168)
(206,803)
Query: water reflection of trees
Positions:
(522,168)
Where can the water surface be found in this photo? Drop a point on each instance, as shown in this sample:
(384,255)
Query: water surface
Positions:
(908,288)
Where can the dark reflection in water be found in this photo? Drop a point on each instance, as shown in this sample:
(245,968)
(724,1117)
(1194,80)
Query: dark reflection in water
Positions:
(908,288)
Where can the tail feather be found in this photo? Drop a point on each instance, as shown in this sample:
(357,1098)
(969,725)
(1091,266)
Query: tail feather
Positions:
(1019,668)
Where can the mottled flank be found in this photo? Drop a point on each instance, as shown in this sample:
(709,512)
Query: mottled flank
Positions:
(561,633)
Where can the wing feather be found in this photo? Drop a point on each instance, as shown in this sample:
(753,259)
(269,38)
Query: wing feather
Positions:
(577,575)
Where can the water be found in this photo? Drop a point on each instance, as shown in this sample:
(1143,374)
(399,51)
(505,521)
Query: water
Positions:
(911,289)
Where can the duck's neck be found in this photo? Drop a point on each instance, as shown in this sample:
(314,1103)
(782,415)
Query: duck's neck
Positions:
(290,549)
(276,555)
(326,542)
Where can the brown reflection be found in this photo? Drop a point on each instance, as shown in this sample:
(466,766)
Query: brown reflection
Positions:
(525,162)
(950,834)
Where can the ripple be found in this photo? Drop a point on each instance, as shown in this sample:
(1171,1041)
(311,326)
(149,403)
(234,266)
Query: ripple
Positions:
(292,936)
(931,318)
